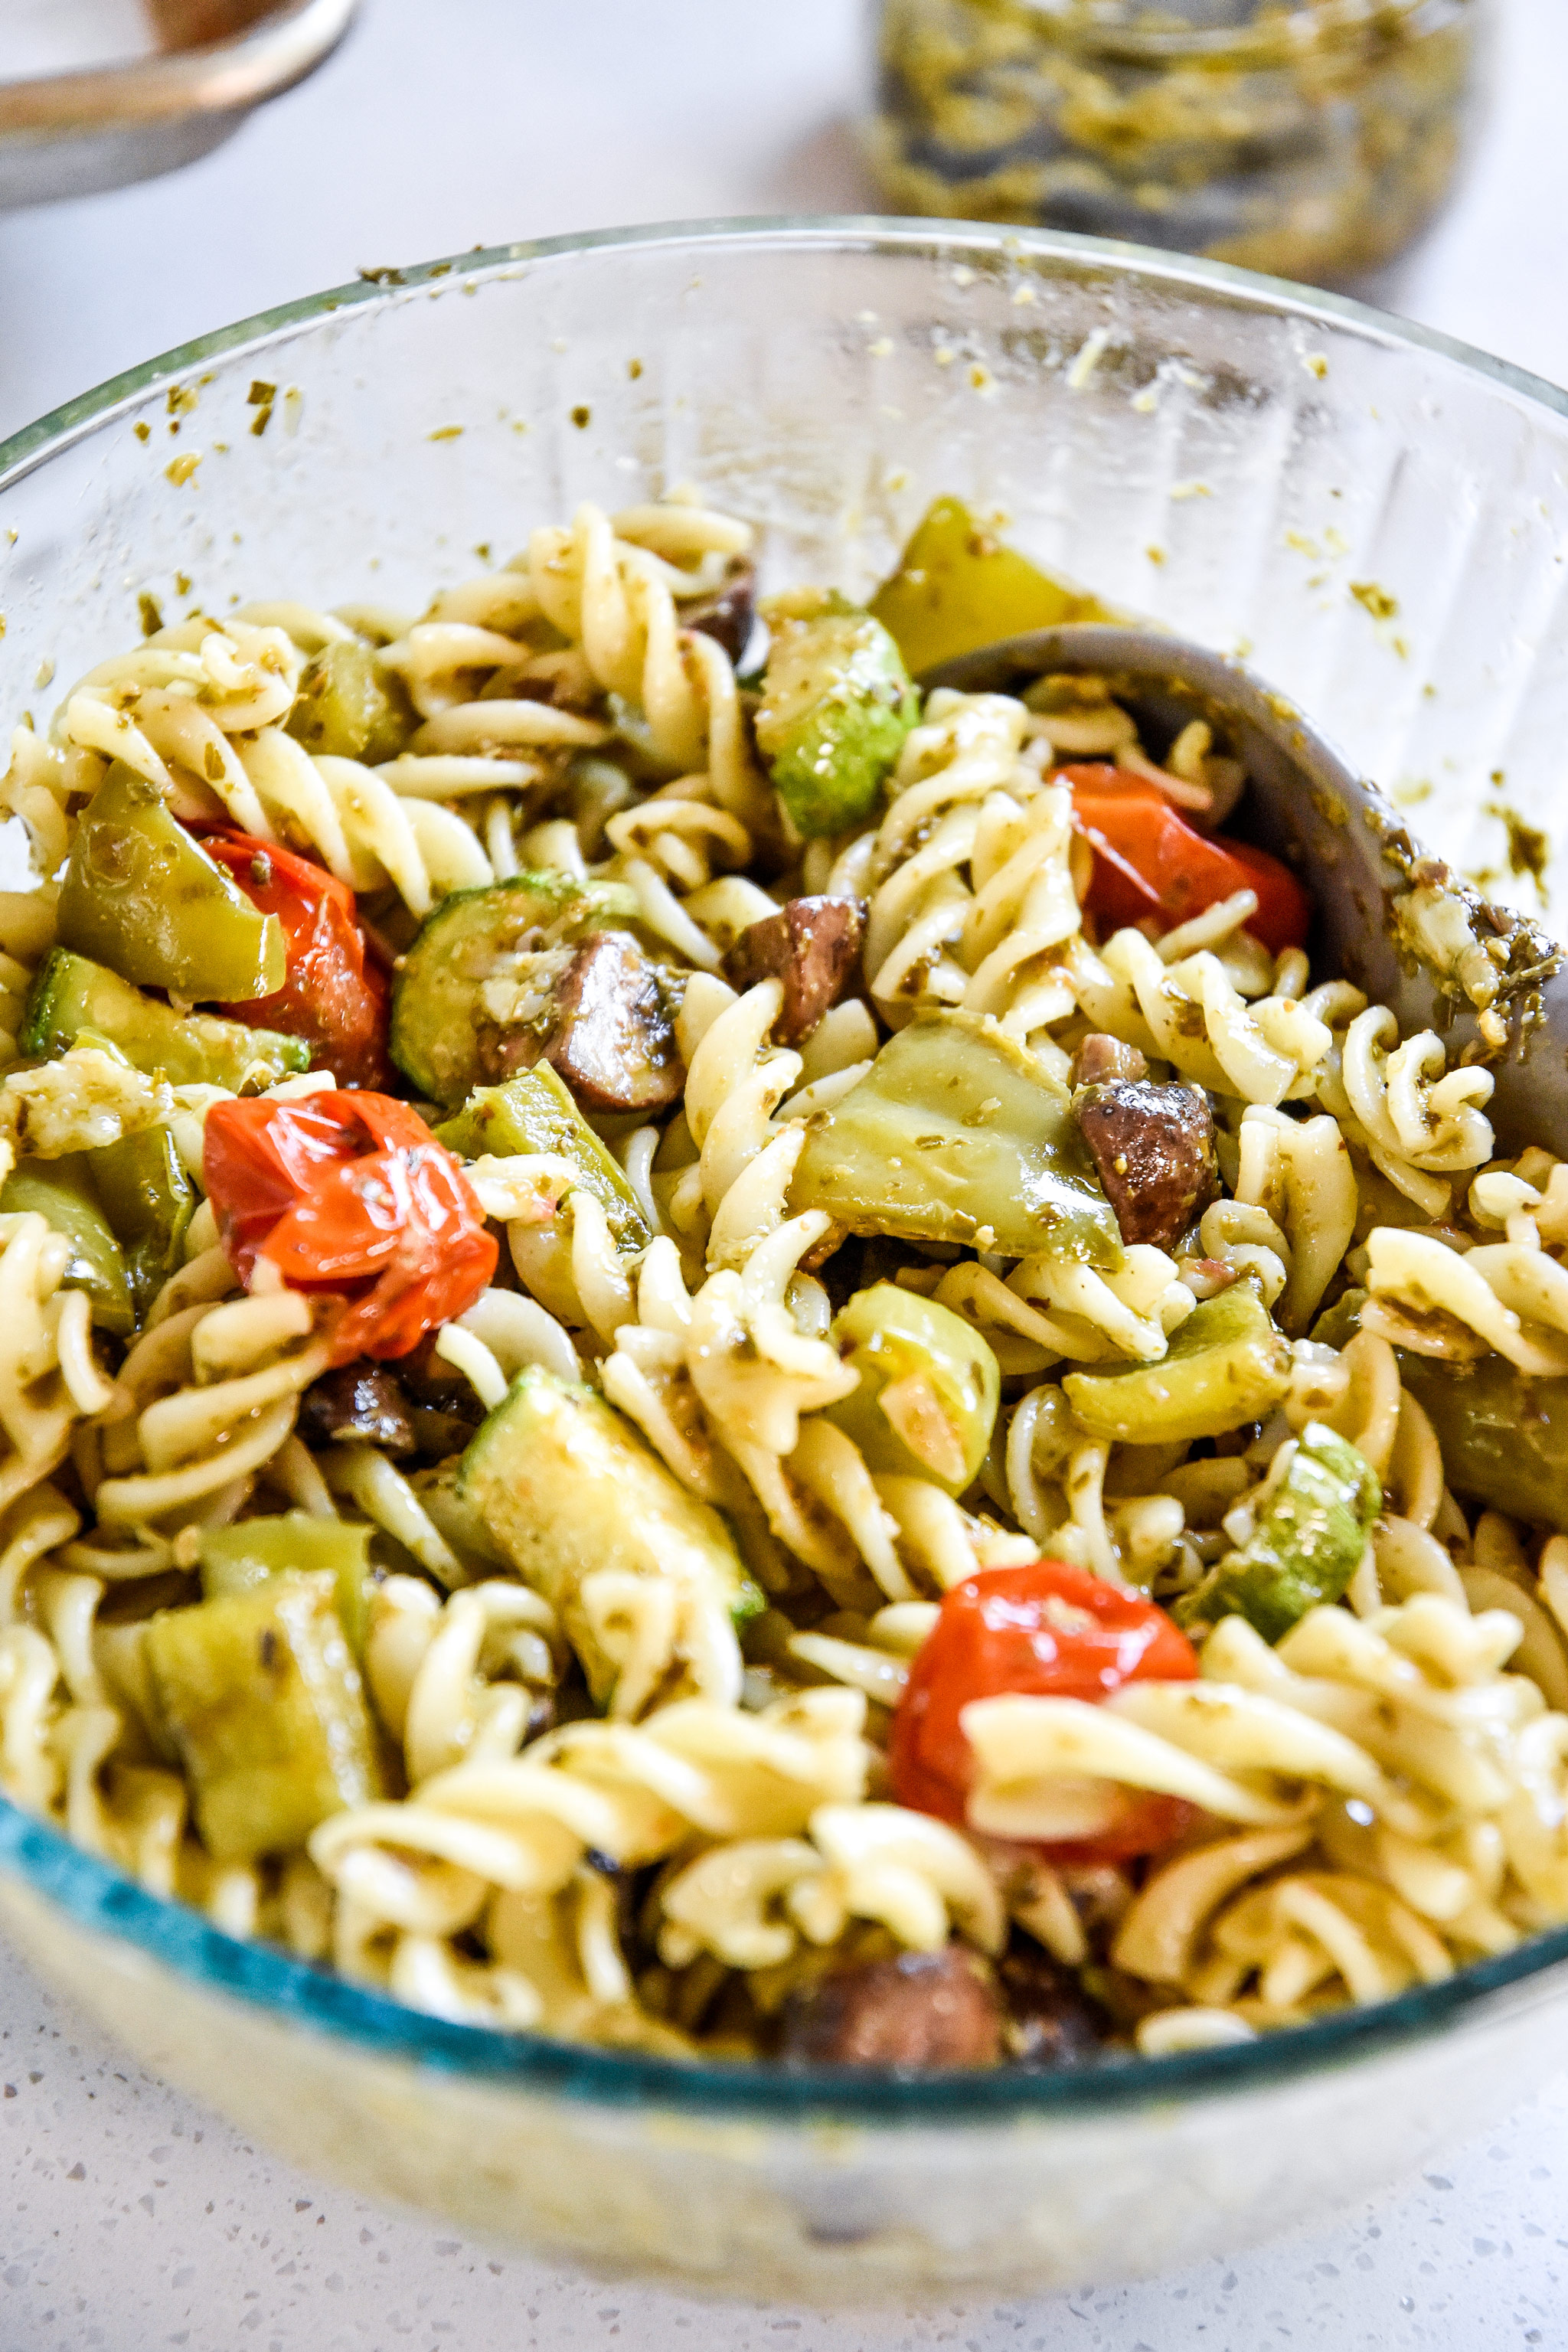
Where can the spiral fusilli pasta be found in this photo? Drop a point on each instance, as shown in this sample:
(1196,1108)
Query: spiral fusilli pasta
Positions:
(702,1583)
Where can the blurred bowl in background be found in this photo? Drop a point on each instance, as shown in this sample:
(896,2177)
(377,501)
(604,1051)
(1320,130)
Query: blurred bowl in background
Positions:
(1376,517)
(108,119)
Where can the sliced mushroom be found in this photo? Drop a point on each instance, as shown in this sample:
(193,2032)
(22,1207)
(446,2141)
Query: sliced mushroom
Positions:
(562,679)
(612,1038)
(921,2011)
(444,1406)
(1100,1058)
(515,1012)
(428,1378)
(811,944)
(1049,2020)
(596,1013)
(362,1404)
(1154,1151)
(729,614)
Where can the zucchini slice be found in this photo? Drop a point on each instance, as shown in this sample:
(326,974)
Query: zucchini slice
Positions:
(465,980)
(535,1112)
(264,1703)
(72,994)
(565,1487)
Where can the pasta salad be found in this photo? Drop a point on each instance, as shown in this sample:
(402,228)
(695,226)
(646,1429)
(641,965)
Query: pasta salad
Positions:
(707,1354)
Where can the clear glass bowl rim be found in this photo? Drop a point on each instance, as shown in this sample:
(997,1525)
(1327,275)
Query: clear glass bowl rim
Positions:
(104,1900)
(1279,41)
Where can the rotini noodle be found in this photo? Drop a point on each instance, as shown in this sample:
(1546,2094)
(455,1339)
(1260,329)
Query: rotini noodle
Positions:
(606,1789)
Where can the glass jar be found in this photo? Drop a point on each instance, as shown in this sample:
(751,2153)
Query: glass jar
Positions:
(1312,139)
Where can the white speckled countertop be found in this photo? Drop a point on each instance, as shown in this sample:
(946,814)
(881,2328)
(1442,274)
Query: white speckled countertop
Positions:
(132,2220)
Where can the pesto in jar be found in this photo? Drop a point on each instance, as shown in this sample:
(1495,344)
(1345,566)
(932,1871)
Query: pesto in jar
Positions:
(1313,142)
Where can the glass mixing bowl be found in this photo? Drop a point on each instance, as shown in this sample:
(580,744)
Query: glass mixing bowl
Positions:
(1377,517)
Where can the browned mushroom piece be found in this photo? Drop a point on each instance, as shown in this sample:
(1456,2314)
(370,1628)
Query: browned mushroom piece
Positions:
(362,1403)
(428,1378)
(444,1408)
(811,945)
(612,1038)
(1049,2022)
(728,616)
(921,2011)
(1153,1152)
(1101,1057)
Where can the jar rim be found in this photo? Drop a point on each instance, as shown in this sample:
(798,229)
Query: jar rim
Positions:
(1298,27)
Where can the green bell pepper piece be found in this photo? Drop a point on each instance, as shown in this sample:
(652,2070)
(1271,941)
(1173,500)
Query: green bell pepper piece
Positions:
(150,1201)
(1226,1366)
(1504,1437)
(957,588)
(957,1134)
(1307,1546)
(535,1112)
(350,705)
(264,1703)
(62,1191)
(929,1387)
(143,896)
(836,706)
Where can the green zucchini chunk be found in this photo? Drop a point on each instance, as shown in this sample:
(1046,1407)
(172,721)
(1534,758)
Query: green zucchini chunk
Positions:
(72,994)
(263,1700)
(534,1112)
(63,1193)
(350,706)
(836,706)
(483,968)
(150,1201)
(1504,1437)
(1307,1545)
(565,1487)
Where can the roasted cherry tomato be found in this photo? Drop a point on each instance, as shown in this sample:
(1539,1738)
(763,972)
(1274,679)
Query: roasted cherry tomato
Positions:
(1049,1631)
(1149,862)
(331,996)
(349,1195)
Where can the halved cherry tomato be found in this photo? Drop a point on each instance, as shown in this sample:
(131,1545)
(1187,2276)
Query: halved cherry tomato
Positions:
(349,1194)
(331,996)
(1149,862)
(1050,1631)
